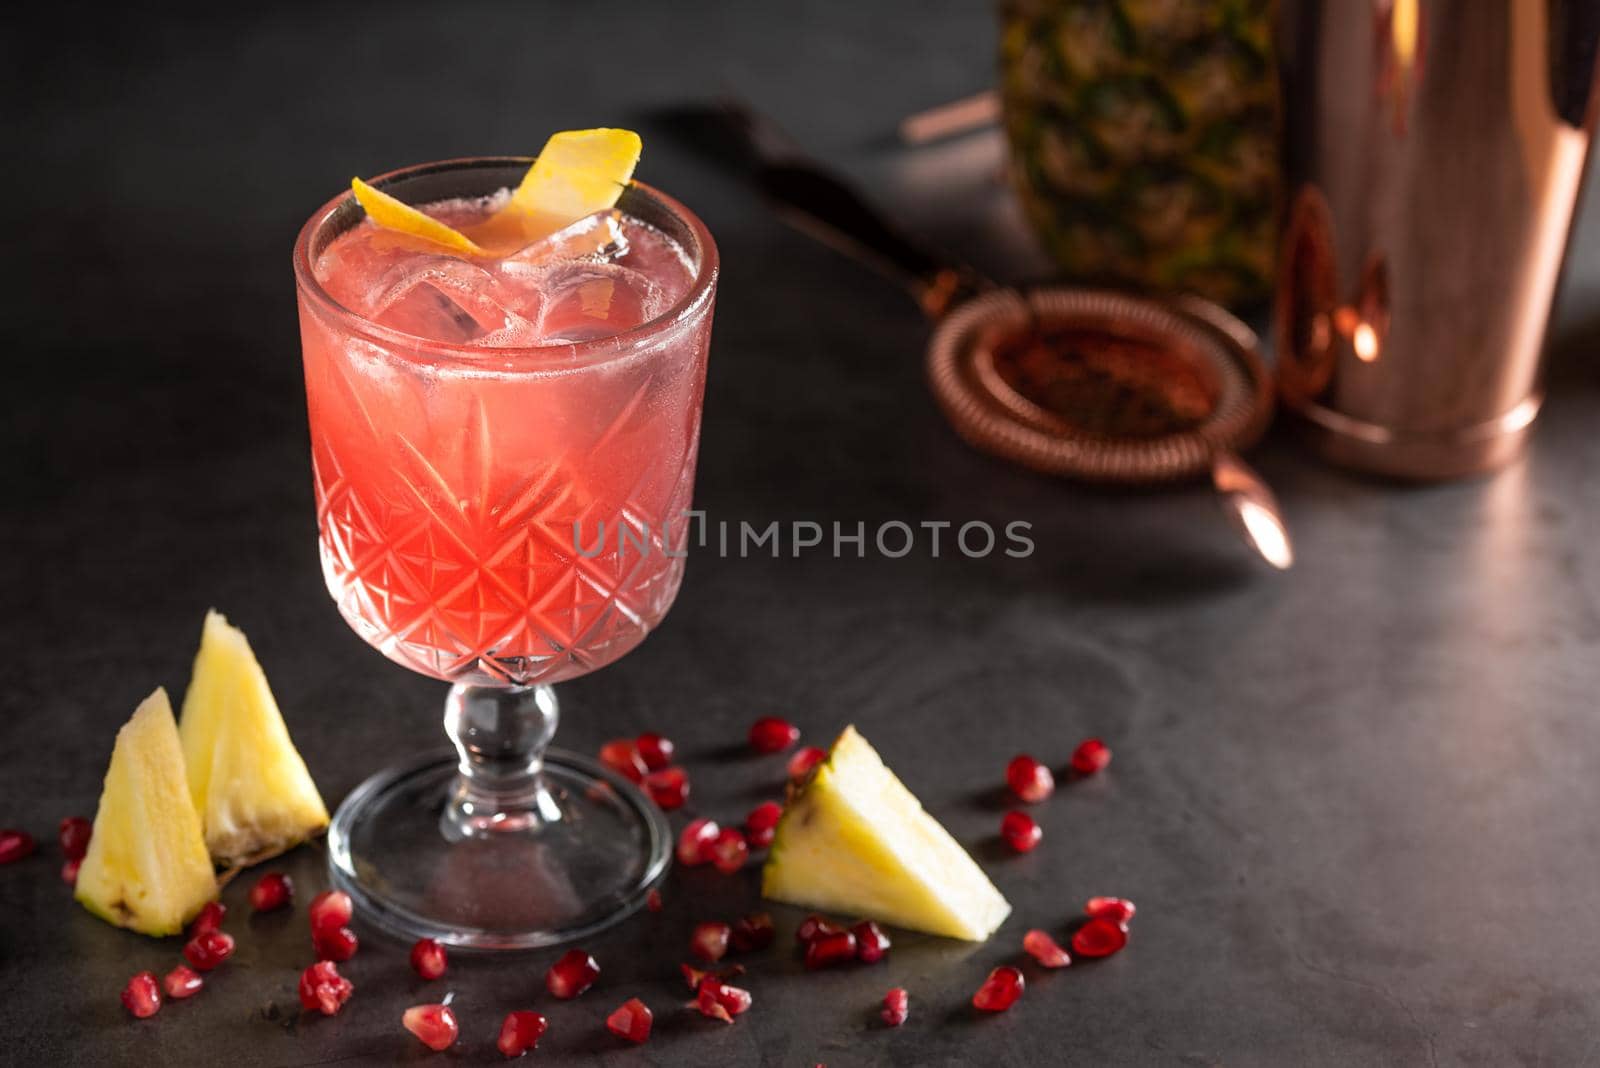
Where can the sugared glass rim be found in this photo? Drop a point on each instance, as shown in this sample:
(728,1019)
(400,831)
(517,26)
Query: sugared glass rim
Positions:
(500,360)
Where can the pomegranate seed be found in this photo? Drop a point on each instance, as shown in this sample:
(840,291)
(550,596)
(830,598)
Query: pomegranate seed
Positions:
(828,950)
(208,949)
(1044,949)
(896,1006)
(182,982)
(814,927)
(871,942)
(769,734)
(1029,780)
(141,996)
(753,932)
(1098,938)
(730,851)
(69,872)
(1118,910)
(709,941)
(434,1025)
(668,787)
(1000,991)
(428,958)
(654,750)
(272,891)
(520,1032)
(631,1021)
(622,757)
(1092,755)
(695,842)
(1020,831)
(570,976)
(339,944)
(652,900)
(323,989)
(14,845)
(74,833)
(762,823)
(803,761)
(209,918)
(329,911)
(718,1000)
(693,975)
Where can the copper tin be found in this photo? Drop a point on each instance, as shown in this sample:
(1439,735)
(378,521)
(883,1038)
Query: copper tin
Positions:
(1100,386)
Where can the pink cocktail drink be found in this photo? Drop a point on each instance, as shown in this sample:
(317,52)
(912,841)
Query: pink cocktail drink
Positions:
(504,447)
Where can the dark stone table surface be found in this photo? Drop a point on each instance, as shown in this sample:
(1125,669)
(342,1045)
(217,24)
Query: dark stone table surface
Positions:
(1356,804)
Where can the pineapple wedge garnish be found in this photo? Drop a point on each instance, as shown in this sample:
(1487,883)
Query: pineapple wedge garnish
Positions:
(147,867)
(249,783)
(855,841)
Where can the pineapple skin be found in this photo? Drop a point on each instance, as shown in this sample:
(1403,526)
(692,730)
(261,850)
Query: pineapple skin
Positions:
(1145,140)
(147,868)
(250,785)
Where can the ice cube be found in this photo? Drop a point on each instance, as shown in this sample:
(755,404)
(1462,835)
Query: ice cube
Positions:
(445,299)
(583,301)
(596,238)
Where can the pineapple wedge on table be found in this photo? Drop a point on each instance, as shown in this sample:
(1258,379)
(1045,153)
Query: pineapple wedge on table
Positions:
(855,841)
(147,867)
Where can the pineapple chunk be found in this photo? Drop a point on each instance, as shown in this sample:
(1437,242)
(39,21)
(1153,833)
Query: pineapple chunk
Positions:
(856,841)
(147,867)
(249,784)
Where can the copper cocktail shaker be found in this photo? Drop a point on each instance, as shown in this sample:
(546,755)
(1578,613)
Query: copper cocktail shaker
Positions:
(1435,150)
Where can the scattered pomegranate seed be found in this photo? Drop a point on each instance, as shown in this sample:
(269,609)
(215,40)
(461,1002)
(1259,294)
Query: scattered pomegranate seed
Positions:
(828,950)
(1029,780)
(693,975)
(1020,831)
(520,1032)
(209,918)
(871,942)
(769,734)
(570,976)
(272,891)
(654,750)
(141,996)
(622,757)
(814,927)
(709,941)
(652,900)
(695,842)
(753,932)
(69,871)
(182,982)
(1118,910)
(1044,949)
(1092,755)
(730,851)
(762,824)
(896,1006)
(74,833)
(208,949)
(329,911)
(428,958)
(1000,991)
(14,845)
(434,1025)
(668,787)
(323,989)
(1099,938)
(803,761)
(339,944)
(631,1021)
(718,1000)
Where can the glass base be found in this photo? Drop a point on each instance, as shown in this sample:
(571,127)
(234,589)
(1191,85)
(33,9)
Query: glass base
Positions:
(588,860)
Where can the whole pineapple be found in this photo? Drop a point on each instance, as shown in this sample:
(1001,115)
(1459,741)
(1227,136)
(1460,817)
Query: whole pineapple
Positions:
(1144,139)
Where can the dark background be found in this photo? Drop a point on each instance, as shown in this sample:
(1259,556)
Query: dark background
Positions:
(1354,803)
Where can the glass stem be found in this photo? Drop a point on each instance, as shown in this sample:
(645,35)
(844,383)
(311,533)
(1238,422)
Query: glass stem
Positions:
(501,733)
